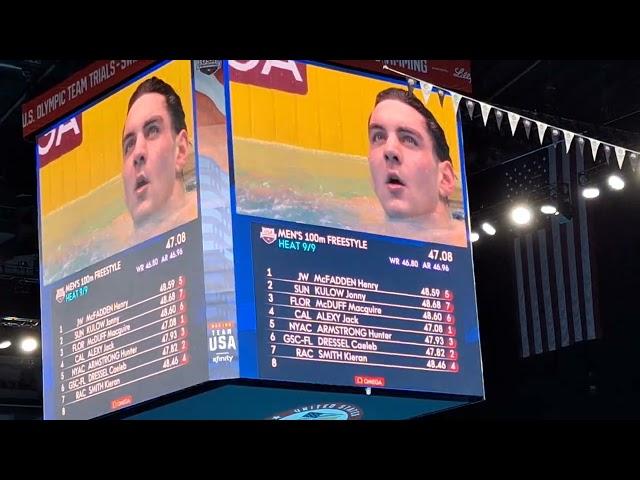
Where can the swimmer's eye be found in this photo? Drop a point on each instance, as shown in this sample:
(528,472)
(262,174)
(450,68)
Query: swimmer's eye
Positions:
(410,140)
(152,130)
(376,136)
(128,145)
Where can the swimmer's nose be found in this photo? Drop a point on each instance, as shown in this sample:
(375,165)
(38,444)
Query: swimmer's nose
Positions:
(391,151)
(139,153)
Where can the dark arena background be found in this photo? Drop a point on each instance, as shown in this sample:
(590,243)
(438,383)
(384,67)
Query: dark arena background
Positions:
(555,299)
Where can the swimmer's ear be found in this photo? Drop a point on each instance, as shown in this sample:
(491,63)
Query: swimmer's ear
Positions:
(182,150)
(447,179)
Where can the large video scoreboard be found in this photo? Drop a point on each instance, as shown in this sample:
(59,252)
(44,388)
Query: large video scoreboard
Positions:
(271,220)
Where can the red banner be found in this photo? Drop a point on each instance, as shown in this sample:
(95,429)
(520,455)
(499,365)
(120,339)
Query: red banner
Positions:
(287,75)
(454,74)
(60,140)
(77,90)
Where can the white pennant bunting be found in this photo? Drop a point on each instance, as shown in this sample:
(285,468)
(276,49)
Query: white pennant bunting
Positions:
(542,127)
(456,101)
(499,116)
(470,107)
(594,147)
(607,152)
(513,121)
(568,138)
(527,127)
(620,155)
(426,90)
(485,112)
(581,145)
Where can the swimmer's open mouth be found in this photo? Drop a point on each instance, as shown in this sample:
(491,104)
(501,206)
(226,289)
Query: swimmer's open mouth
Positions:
(141,181)
(394,179)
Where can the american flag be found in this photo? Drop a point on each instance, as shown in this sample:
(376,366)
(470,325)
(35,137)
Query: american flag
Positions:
(553,265)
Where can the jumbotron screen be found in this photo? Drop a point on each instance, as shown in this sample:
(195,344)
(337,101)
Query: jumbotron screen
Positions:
(275,220)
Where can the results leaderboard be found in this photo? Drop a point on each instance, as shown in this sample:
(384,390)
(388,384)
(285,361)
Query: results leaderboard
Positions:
(122,323)
(338,309)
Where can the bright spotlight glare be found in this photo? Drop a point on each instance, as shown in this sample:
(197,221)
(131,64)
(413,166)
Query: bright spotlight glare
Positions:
(521,215)
(615,182)
(590,192)
(5,344)
(29,344)
(548,209)
(488,228)
(474,237)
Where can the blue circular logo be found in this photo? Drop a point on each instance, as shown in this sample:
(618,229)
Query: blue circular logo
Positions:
(322,411)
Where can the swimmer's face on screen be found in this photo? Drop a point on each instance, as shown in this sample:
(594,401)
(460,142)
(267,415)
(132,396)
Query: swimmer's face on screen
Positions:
(412,176)
(155,148)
